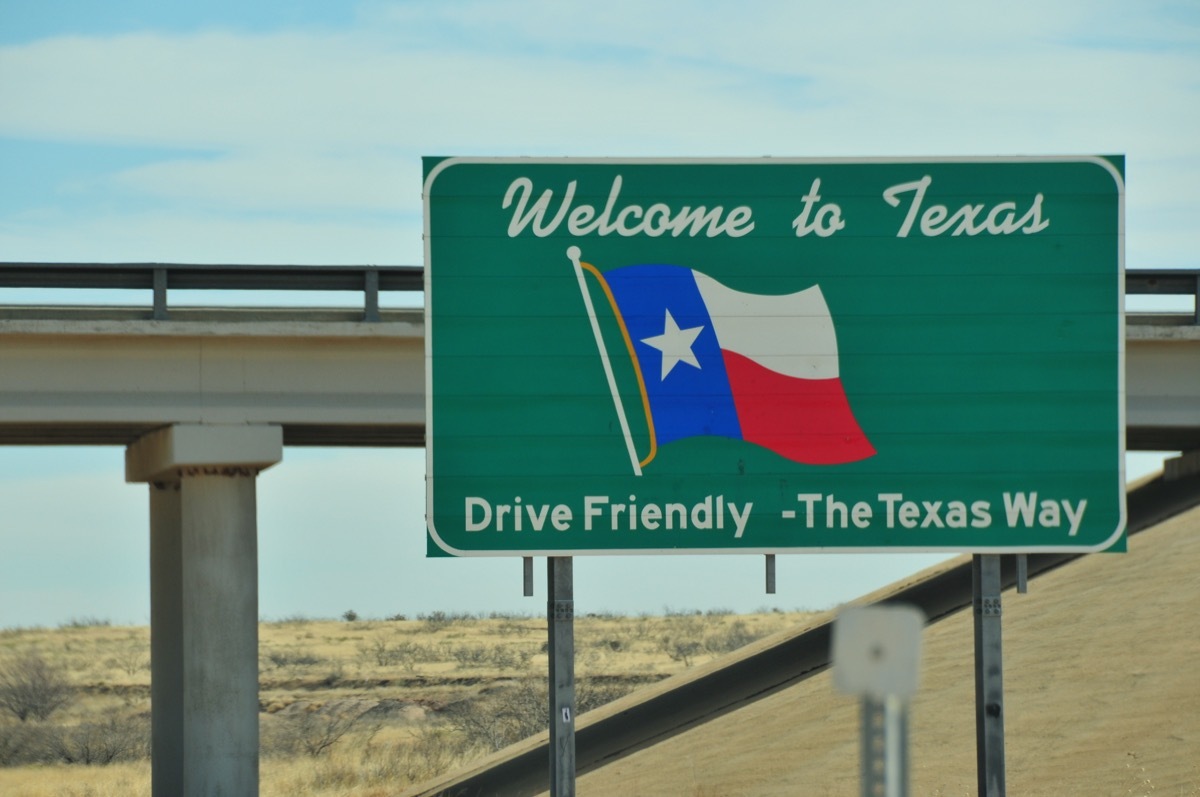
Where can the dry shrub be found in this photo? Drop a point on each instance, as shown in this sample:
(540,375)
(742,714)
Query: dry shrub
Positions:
(504,716)
(501,657)
(131,659)
(21,744)
(30,686)
(727,640)
(313,729)
(403,654)
(363,766)
(106,742)
(115,739)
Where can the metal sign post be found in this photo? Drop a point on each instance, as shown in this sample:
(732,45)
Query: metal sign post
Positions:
(989,675)
(877,655)
(561,622)
(884,743)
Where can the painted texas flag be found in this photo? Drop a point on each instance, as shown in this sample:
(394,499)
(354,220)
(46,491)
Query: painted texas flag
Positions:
(715,361)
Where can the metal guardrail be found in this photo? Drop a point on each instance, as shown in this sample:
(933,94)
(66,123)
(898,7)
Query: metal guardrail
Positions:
(162,277)
(1177,282)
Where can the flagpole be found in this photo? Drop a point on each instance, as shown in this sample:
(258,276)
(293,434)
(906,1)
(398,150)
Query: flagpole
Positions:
(574,254)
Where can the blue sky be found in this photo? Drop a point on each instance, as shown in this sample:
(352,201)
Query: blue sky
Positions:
(291,132)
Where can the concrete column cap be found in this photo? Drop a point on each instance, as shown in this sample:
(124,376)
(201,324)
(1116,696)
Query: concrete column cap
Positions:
(159,455)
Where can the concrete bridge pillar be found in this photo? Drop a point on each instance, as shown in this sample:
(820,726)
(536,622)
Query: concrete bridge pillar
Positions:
(204,603)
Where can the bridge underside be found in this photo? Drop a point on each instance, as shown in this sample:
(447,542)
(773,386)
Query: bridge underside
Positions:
(1162,387)
(81,380)
(90,377)
(294,434)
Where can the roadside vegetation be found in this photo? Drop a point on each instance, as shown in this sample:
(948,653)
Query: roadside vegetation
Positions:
(353,707)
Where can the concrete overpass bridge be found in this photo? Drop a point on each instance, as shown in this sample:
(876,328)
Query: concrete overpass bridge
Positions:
(108,375)
(205,399)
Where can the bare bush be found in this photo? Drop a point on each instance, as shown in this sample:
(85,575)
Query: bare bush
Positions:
(433,750)
(737,635)
(496,720)
(22,744)
(313,730)
(379,768)
(502,657)
(509,657)
(611,644)
(642,627)
(513,627)
(684,638)
(681,649)
(132,659)
(30,686)
(439,620)
(470,655)
(291,658)
(410,654)
(403,654)
(85,622)
(116,739)
(293,619)
(503,717)
(378,650)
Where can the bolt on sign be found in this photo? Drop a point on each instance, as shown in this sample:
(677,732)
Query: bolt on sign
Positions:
(772,355)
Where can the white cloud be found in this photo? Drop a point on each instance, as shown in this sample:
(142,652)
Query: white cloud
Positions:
(190,236)
(283,181)
(307,128)
(559,78)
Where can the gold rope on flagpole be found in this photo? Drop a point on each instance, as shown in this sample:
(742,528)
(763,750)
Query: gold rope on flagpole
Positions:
(574,254)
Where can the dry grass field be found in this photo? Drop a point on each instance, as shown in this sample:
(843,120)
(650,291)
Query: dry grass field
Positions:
(1102,682)
(350,707)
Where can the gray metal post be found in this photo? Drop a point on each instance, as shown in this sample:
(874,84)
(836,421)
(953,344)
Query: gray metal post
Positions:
(770,574)
(884,735)
(160,294)
(989,676)
(561,616)
(371,295)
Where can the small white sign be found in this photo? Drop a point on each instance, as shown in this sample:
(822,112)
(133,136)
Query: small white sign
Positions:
(877,650)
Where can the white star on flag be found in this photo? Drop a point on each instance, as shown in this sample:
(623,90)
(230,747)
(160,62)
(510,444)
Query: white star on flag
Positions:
(675,344)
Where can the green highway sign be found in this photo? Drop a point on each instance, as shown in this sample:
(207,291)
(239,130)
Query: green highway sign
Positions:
(773,355)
